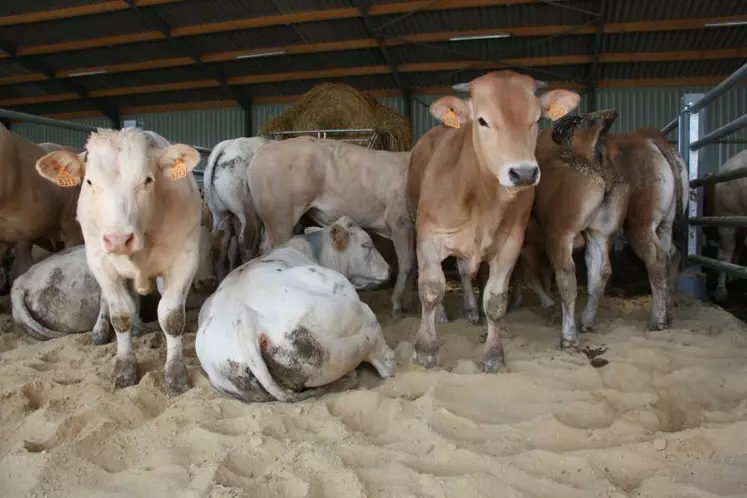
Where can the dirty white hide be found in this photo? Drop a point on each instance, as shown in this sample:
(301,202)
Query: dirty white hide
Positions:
(291,319)
(59,296)
(227,195)
(139,209)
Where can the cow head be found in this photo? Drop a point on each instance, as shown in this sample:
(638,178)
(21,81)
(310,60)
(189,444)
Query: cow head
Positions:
(121,173)
(501,115)
(348,249)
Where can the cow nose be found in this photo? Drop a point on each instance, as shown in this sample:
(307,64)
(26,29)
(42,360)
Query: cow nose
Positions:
(523,175)
(119,243)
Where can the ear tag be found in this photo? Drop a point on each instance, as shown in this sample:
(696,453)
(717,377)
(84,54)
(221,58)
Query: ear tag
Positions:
(179,170)
(65,179)
(451,119)
(557,111)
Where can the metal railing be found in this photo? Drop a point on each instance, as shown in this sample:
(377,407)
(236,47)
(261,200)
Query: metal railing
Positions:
(370,138)
(692,139)
(31,118)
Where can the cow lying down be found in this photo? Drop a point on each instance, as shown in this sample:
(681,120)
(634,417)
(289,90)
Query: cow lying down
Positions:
(289,325)
(59,296)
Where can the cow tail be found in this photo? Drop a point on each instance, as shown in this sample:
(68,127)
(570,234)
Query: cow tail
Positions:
(207,180)
(678,165)
(23,318)
(255,229)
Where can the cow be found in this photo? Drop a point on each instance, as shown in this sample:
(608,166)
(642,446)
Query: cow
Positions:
(32,209)
(59,295)
(226,192)
(471,186)
(139,209)
(326,179)
(289,324)
(594,183)
(728,199)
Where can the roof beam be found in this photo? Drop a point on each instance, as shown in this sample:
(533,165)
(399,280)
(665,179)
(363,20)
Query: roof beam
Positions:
(363,6)
(438,90)
(256,79)
(529,31)
(184,48)
(77,11)
(69,87)
(298,17)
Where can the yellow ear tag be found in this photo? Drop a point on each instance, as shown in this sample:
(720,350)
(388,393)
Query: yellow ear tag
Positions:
(451,119)
(557,111)
(179,170)
(65,179)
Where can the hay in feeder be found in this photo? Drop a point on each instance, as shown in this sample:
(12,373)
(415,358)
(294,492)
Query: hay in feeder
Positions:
(334,106)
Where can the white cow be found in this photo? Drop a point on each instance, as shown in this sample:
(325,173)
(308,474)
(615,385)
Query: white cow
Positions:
(228,199)
(291,319)
(59,295)
(729,199)
(139,209)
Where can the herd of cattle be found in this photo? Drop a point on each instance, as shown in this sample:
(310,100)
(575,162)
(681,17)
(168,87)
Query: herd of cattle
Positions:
(274,254)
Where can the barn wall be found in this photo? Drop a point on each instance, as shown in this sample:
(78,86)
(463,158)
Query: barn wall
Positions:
(637,107)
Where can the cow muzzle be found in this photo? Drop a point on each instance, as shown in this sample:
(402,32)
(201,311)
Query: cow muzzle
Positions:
(524,175)
(120,243)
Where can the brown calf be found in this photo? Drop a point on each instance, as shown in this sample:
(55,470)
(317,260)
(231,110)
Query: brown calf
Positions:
(473,187)
(593,184)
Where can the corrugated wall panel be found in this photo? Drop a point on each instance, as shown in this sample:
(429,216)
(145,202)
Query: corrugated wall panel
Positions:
(263,113)
(71,138)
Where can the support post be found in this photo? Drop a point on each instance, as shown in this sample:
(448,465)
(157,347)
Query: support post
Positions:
(247,107)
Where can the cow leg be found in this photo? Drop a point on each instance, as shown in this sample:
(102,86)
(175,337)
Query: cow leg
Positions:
(517,281)
(726,246)
(22,260)
(121,310)
(431,288)
(560,253)
(471,311)
(171,314)
(101,330)
(664,233)
(495,299)
(532,277)
(646,245)
(598,273)
(402,239)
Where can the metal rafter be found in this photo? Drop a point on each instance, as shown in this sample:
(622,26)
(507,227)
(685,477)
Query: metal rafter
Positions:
(104,106)
(185,48)
(373,32)
(593,78)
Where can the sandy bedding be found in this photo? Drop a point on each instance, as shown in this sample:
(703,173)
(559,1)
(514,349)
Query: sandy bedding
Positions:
(666,417)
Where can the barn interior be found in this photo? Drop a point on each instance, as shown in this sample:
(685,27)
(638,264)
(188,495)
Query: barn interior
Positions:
(631,412)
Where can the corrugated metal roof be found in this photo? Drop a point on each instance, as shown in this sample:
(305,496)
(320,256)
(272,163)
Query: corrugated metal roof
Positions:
(9,68)
(664,41)
(291,63)
(636,10)
(681,69)
(121,54)
(9,8)
(203,12)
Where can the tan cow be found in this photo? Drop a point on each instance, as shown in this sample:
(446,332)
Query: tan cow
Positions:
(139,210)
(593,184)
(32,209)
(473,188)
(327,179)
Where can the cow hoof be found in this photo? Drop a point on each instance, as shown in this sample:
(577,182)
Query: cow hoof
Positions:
(554,315)
(101,335)
(588,329)
(472,316)
(568,343)
(441,316)
(655,325)
(494,365)
(720,296)
(177,379)
(425,356)
(125,372)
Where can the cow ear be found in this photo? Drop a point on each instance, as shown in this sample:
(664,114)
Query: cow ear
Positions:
(452,111)
(177,160)
(557,103)
(340,237)
(61,167)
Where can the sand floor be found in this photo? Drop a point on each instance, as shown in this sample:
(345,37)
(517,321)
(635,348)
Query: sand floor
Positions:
(665,417)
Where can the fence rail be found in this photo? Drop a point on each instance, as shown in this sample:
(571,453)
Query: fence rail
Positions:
(692,138)
(369,139)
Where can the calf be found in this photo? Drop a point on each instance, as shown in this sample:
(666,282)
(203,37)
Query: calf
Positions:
(139,209)
(603,182)
(471,185)
(227,195)
(729,199)
(291,320)
(327,179)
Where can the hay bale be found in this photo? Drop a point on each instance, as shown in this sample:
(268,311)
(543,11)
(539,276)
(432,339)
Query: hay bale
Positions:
(330,106)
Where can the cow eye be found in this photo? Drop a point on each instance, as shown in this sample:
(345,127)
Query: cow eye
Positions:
(482,122)
(148,180)
(89,182)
